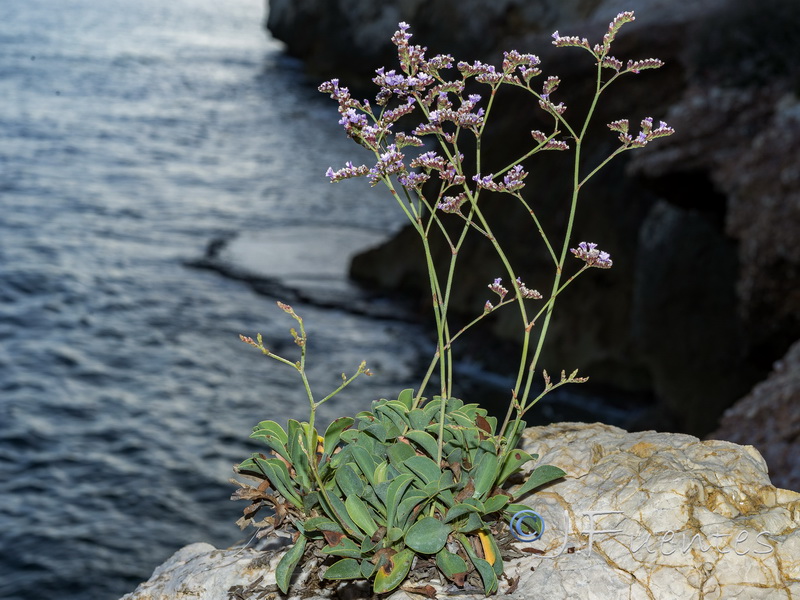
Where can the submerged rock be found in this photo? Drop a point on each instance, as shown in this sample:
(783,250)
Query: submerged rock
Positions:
(640,515)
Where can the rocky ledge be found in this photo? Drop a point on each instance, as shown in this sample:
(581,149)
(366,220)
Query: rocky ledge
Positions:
(641,516)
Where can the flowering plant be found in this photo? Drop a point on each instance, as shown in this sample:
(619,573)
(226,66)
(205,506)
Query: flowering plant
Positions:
(417,483)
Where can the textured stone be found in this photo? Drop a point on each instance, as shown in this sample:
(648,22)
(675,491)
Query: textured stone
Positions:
(677,508)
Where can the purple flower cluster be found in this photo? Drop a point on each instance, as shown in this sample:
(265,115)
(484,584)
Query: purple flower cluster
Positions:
(452,204)
(526,63)
(646,134)
(497,287)
(526,292)
(512,181)
(548,144)
(389,163)
(347,172)
(433,162)
(588,253)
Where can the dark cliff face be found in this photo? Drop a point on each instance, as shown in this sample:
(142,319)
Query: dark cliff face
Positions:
(703,227)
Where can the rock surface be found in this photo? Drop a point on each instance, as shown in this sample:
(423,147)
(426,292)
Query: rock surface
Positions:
(769,419)
(702,310)
(641,516)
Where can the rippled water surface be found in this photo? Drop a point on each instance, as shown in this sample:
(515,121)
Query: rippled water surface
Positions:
(131,135)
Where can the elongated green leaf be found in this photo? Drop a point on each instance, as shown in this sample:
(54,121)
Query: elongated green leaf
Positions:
(349,481)
(453,404)
(462,509)
(278,475)
(424,467)
(484,475)
(485,570)
(405,511)
(512,463)
(322,524)
(360,515)
(541,475)
(273,436)
(297,454)
(345,547)
(366,463)
(347,568)
(333,432)
(367,569)
(287,564)
(461,419)
(399,453)
(394,494)
(392,574)
(344,518)
(452,565)
(495,503)
(406,398)
(417,419)
(377,430)
(394,534)
(424,440)
(428,535)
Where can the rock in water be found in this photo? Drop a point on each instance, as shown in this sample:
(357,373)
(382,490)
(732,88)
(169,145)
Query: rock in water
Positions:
(641,516)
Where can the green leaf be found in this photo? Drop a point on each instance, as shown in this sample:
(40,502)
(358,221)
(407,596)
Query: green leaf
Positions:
(278,475)
(341,512)
(428,535)
(288,562)
(366,463)
(417,419)
(394,534)
(484,475)
(452,565)
(495,503)
(399,453)
(359,513)
(406,398)
(333,432)
(424,467)
(349,481)
(273,435)
(469,505)
(394,494)
(453,404)
(485,570)
(347,568)
(411,500)
(297,454)
(322,524)
(512,463)
(345,547)
(541,475)
(378,431)
(473,523)
(367,569)
(392,574)
(424,440)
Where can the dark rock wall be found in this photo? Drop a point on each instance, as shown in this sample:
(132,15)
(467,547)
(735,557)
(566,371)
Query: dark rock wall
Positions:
(703,227)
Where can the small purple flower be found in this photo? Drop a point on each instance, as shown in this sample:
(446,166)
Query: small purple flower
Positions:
(497,288)
(413,180)
(488,307)
(452,204)
(526,292)
(389,163)
(347,172)
(588,253)
(513,179)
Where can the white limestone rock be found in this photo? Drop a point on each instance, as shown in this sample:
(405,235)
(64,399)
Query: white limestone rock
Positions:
(683,518)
